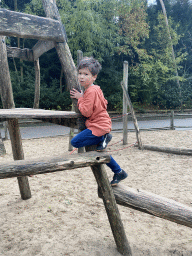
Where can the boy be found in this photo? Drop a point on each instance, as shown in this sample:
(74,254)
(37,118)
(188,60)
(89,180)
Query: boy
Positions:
(93,105)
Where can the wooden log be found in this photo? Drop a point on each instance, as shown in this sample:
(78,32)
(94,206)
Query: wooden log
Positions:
(178,151)
(46,165)
(63,52)
(81,120)
(133,116)
(41,47)
(112,210)
(30,26)
(153,204)
(8,102)
(24,54)
(37,84)
(125,103)
(110,207)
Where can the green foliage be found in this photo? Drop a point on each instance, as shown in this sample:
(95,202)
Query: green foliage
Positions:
(133,28)
(114,31)
(90,26)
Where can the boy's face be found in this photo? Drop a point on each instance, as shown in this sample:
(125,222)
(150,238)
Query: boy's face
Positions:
(85,77)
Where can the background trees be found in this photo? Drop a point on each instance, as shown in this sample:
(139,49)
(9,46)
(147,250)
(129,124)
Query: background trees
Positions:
(114,31)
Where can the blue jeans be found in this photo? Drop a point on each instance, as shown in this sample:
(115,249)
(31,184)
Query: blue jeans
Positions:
(86,138)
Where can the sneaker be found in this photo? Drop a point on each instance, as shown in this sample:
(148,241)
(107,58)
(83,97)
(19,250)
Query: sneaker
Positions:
(102,145)
(118,177)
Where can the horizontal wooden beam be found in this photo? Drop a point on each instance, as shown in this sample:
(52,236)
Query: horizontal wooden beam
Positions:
(41,47)
(24,54)
(38,166)
(178,151)
(30,26)
(153,204)
(23,113)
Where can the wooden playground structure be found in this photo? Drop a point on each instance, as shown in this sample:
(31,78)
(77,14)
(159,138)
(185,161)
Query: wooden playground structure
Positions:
(51,33)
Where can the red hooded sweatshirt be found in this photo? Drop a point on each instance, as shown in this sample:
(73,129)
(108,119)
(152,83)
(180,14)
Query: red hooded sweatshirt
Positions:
(93,105)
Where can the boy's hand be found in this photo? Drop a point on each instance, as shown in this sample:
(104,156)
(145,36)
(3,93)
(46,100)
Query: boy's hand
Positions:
(74,94)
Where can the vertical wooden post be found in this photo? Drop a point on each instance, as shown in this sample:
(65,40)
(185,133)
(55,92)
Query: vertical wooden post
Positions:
(71,134)
(8,102)
(2,146)
(172,120)
(5,126)
(125,104)
(37,84)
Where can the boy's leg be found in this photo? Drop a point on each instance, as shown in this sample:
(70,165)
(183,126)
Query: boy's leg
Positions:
(119,175)
(85,138)
(103,144)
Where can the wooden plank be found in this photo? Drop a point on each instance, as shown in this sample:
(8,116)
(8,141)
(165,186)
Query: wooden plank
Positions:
(41,47)
(8,102)
(22,113)
(47,165)
(24,54)
(153,204)
(30,26)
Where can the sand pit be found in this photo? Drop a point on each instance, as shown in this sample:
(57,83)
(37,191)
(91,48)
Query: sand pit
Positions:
(66,217)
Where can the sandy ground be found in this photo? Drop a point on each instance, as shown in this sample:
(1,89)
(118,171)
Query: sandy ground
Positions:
(66,217)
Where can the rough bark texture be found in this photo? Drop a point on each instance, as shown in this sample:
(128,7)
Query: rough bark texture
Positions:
(47,165)
(30,26)
(24,54)
(178,151)
(125,103)
(63,52)
(41,47)
(65,118)
(37,84)
(111,207)
(153,204)
(8,102)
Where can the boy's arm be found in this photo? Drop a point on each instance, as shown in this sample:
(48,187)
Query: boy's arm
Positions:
(86,103)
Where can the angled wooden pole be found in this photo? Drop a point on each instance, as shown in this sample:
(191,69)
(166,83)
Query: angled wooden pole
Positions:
(8,102)
(133,115)
(125,104)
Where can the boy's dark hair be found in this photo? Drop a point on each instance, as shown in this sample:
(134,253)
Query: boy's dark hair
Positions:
(92,64)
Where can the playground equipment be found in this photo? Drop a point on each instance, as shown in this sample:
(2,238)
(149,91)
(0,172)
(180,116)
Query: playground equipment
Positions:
(50,28)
